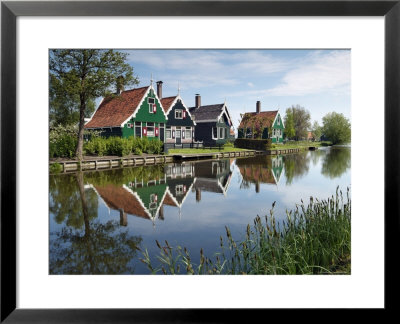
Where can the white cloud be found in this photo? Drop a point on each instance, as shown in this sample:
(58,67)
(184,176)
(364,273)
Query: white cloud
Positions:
(203,68)
(319,73)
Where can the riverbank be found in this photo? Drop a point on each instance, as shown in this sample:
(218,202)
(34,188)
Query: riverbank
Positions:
(58,165)
(313,239)
(300,145)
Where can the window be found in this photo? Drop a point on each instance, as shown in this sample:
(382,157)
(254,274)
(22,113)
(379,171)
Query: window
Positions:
(138,129)
(221,132)
(153,201)
(178,133)
(179,189)
(128,125)
(168,132)
(150,129)
(178,114)
(188,132)
(152,103)
(214,133)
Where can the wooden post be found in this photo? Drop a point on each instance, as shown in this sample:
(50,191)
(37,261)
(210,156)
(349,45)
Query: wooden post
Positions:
(123,219)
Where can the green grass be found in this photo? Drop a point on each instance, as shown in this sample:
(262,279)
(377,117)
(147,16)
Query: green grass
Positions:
(300,144)
(313,239)
(202,150)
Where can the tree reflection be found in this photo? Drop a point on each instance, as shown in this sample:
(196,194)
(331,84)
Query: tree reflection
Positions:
(296,166)
(94,249)
(337,161)
(66,204)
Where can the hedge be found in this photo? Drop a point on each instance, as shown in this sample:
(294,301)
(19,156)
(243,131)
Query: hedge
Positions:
(254,144)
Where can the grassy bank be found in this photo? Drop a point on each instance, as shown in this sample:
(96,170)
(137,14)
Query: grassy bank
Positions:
(300,144)
(313,239)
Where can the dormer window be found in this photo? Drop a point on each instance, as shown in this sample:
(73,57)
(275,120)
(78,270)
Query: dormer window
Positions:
(178,114)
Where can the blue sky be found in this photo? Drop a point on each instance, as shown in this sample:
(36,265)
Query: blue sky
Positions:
(318,80)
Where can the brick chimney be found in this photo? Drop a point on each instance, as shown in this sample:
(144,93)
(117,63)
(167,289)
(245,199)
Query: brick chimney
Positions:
(198,100)
(258,107)
(159,89)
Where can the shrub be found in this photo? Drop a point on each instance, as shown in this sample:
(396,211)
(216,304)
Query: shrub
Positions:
(118,146)
(255,144)
(154,146)
(96,146)
(228,145)
(63,146)
(62,141)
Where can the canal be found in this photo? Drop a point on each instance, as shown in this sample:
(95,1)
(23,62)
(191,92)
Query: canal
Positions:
(98,219)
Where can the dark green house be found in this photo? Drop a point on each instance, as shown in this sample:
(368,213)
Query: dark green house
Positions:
(137,112)
(213,123)
(262,124)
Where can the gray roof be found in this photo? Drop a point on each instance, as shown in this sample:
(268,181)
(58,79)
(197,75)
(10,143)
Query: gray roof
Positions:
(210,112)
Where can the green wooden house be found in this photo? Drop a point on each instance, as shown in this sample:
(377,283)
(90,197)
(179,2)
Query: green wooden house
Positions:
(262,124)
(137,112)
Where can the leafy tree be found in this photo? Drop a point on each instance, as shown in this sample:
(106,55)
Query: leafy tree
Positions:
(289,124)
(301,121)
(336,128)
(78,77)
(316,130)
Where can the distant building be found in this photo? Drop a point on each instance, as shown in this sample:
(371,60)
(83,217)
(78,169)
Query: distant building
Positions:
(213,123)
(262,124)
(310,136)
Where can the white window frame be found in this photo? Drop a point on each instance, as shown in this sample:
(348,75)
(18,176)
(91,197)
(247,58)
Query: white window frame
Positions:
(151,104)
(188,130)
(179,190)
(181,113)
(150,130)
(221,129)
(168,129)
(135,126)
(212,133)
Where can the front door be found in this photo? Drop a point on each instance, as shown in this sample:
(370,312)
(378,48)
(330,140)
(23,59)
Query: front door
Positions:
(178,136)
(162,134)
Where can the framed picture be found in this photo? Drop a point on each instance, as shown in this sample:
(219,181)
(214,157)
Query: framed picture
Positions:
(182,12)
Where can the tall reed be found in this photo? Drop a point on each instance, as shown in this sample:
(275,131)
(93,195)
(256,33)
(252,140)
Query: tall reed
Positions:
(313,239)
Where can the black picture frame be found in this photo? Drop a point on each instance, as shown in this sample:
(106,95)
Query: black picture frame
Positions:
(10,10)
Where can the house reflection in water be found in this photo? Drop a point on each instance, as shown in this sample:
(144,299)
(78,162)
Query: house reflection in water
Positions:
(135,198)
(146,197)
(260,169)
(213,176)
(180,179)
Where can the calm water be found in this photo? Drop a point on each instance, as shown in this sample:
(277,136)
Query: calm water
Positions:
(97,219)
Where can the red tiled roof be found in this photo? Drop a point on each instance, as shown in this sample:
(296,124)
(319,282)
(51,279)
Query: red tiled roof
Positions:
(167,102)
(119,198)
(169,201)
(113,112)
(265,118)
(257,174)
